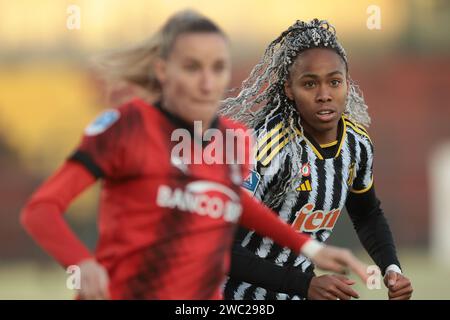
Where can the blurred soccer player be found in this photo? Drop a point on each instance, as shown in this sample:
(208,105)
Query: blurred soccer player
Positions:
(166,225)
(313,158)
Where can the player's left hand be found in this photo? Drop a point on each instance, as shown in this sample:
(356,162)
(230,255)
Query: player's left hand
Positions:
(399,286)
(339,260)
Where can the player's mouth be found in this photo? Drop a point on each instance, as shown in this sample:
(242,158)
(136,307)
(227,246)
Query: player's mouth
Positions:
(326,115)
(206,101)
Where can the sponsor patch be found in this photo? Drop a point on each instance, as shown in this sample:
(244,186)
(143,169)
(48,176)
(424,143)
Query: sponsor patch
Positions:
(252,181)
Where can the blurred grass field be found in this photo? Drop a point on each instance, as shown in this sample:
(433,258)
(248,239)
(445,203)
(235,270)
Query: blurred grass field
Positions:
(27,280)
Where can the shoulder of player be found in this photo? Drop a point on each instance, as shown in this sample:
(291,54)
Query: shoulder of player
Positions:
(259,129)
(270,124)
(359,131)
(271,139)
(228,123)
(111,119)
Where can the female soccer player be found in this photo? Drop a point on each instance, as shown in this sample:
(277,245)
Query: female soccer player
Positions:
(313,158)
(166,222)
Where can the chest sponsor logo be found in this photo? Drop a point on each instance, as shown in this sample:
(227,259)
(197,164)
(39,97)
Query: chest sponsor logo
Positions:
(204,198)
(308,220)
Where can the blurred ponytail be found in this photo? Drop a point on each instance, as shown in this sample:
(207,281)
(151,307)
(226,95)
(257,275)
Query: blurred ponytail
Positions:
(134,65)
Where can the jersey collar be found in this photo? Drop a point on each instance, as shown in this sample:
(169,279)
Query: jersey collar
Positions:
(330,152)
(181,123)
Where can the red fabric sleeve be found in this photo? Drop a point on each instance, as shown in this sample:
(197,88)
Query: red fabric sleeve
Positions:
(105,149)
(99,150)
(42,216)
(264,221)
(243,146)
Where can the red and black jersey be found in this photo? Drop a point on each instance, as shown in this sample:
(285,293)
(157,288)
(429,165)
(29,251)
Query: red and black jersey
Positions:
(167,213)
(160,218)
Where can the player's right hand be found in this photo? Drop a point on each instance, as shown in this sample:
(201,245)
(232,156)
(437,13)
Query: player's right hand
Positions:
(331,287)
(339,260)
(94,281)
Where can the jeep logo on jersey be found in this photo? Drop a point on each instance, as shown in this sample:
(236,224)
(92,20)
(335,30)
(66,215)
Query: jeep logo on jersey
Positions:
(308,220)
(205,198)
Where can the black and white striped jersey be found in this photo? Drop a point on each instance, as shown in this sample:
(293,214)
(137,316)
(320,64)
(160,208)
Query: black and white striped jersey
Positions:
(307,184)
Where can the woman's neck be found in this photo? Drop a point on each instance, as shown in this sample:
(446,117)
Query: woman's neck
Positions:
(321,137)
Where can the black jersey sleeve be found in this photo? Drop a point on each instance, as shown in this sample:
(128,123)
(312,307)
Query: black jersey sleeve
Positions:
(248,267)
(372,228)
(363,179)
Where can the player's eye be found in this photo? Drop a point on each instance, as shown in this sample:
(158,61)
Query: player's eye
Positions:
(309,84)
(192,67)
(219,67)
(335,82)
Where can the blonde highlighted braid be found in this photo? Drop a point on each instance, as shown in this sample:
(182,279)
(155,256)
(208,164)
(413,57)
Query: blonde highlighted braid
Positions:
(262,96)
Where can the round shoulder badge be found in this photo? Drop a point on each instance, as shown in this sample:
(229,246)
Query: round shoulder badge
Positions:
(105,120)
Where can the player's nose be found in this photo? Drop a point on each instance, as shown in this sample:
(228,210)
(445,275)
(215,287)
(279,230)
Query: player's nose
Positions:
(323,94)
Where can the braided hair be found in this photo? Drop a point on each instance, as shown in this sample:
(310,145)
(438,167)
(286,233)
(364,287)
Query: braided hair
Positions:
(262,95)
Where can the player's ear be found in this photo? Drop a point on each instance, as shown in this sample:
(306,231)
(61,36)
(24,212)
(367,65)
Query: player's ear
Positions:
(288,89)
(160,69)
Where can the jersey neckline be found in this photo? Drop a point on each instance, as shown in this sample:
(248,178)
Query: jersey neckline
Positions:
(328,152)
(179,122)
